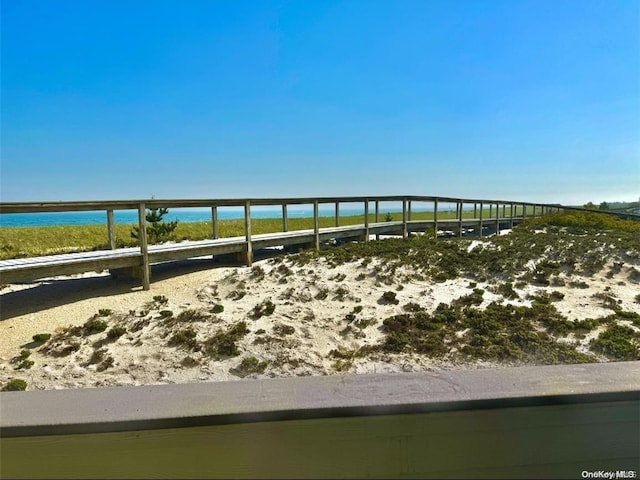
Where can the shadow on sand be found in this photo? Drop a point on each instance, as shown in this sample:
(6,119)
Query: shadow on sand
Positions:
(54,292)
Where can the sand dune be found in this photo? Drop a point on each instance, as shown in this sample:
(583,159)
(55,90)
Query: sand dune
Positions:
(297,321)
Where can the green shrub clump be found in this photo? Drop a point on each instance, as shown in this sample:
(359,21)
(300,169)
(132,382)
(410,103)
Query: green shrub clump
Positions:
(15,385)
(116,332)
(41,338)
(184,338)
(266,307)
(157,229)
(217,308)
(248,366)
(618,342)
(224,342)
(95,325)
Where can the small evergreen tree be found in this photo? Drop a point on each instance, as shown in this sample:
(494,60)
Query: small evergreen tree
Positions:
(158,230)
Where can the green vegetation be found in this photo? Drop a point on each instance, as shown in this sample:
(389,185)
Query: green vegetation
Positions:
(266,307)
(22,360)
(217,308)
(581,222)
(41,338)
(18,242)
(184,338)
(248,366)
(500,332)
(157,229)
(116,332)
(160,299)
(191,315)
(389,297)
(283,330)
(618,342)
(189,362)
(15,385)
(95,325)
(224,342)
(536,241)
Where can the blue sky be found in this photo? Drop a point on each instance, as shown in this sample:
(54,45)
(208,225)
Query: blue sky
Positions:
(109,99)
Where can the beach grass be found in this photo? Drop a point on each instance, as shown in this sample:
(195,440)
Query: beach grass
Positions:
(20,242)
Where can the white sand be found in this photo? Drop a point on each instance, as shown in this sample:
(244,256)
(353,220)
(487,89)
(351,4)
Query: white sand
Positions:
(143,356)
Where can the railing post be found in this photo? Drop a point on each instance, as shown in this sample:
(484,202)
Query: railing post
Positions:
(497,218)
(405,234)
(247,233)
(481,214)
(512,215)
(144,249)
(285,218)
(435,218)
(366,220)
(377,218)
(475,210)
(316,225)
(504,210)
(460,205)
(214,221)
(524,211)
(490,210)
(409,211)
(337,214)
(111,230)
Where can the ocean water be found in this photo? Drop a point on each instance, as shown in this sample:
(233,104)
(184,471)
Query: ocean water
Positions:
(185,215)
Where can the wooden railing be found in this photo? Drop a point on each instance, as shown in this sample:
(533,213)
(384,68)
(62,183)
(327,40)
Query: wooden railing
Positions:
(500,212)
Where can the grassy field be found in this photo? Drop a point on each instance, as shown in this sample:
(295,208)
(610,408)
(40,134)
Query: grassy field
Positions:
(19,242)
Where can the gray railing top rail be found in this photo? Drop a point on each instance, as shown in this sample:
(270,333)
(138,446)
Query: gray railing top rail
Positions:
(66,206)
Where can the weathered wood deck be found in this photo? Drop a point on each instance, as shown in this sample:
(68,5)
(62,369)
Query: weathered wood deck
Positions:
(139,259)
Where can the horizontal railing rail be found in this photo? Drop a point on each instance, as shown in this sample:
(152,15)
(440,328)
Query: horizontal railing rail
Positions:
(500,213)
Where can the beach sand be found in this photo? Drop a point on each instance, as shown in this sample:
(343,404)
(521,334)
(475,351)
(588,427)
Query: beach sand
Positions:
(310,320)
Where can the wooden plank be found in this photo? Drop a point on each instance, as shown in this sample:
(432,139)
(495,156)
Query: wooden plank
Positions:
(142,239)
(481,214)
(214,221)
(377,216)
(285,218)
(366,221)
(435,218)
(405,233)
(247,232)
(316,225)
(111,229)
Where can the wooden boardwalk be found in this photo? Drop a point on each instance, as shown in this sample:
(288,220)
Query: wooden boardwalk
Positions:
(136,261)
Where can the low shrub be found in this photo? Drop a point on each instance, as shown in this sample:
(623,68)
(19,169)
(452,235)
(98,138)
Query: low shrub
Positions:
(224,342)
(184,338)
(267,307)
(618,342)
(282,330)
(41,337)
(116,332)
(389,297)
(217,308)
(248,366)
(15,385)
(95,325)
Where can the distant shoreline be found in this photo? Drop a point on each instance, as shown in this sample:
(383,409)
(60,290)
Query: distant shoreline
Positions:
(128,217)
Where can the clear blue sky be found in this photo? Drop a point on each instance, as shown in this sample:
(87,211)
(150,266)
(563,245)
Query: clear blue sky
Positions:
(525,100)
